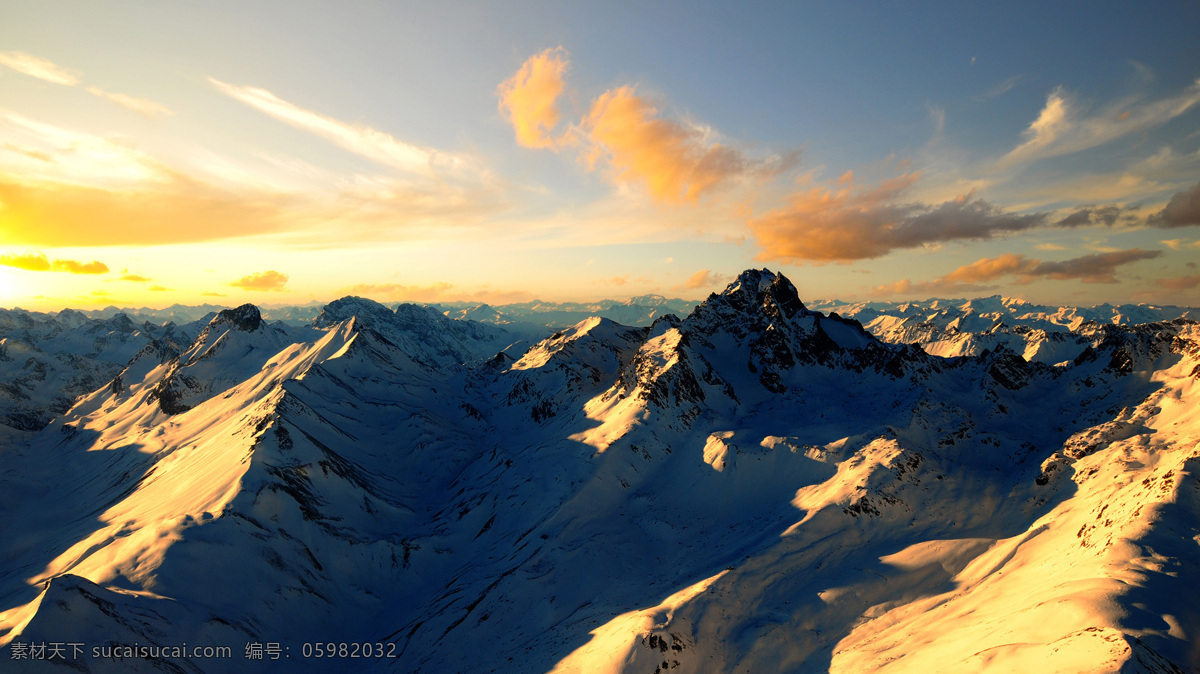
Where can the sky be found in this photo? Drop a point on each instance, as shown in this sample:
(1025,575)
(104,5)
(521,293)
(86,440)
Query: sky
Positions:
(292,152)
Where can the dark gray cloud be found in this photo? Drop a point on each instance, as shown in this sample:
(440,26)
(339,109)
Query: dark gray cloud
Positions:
(1183,210)
(1098,268)
(1092,215)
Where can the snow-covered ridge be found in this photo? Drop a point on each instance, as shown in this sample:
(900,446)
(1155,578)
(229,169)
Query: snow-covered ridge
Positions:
(753,485)
(966,327)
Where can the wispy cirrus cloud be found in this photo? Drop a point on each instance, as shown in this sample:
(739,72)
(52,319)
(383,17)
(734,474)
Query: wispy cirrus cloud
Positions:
(1021,270)
(62,187)
(44,70)
(1062,127)
(1000,88)
(433,189)
(49,71)
(61,154)
(141,106)
(362,140)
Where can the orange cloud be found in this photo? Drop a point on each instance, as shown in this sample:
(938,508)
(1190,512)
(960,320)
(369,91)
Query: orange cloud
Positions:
(39,68)
(701,279)
(671,160)
(212,294)
(841,223)
(267,280)
(158,289)
(676,162)
(38,262)
(134,278)
(529,98)
(989,269)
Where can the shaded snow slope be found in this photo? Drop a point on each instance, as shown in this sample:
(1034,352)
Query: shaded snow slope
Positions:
(757,486)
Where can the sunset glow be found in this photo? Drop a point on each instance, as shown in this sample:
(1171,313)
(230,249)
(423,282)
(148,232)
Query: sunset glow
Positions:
(296,152)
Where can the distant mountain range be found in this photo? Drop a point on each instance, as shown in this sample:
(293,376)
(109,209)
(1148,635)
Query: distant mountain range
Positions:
(747,484)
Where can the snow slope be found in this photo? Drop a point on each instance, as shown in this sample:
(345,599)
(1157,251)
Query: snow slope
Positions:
(754,487)
(48,361)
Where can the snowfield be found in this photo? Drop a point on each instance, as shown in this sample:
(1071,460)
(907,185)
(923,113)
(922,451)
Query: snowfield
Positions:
(755,486)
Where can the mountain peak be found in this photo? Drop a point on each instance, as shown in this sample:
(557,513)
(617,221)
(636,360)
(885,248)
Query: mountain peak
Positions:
(246,318)
(418,314)
(341,309)
(118,322)
(757,276)
(757,290)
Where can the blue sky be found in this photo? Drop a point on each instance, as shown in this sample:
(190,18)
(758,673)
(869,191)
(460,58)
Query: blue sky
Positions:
(153,153)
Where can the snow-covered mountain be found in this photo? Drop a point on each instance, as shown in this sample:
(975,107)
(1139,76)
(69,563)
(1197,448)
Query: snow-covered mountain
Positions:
(179,313)
(754,486)
(968,327)
(47,361)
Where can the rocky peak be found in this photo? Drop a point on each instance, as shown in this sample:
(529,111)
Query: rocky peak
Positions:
(119,322)
(757,298)
(246,318)
(418,318)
